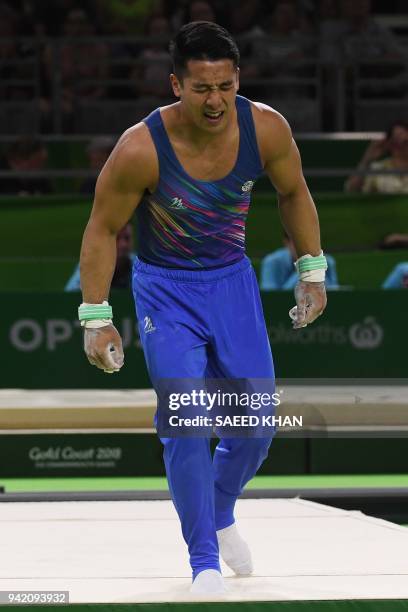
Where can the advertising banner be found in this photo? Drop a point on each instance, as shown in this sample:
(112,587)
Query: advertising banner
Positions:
(361,334)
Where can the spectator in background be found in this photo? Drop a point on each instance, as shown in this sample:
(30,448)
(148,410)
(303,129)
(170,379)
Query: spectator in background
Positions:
(277,52)
(14,56)
(276,63)
(395,241)
(83,64)
(122,276)
(284,40)
(199,10)
(278,271)
(151,74)
(398,278)
(245,22)
(327,12)
(45,17)
(124,17)
(98,152)
(390,153)
(180,12)
(26,154)
(9,51)
(356,36)
(370,53)
(246,19)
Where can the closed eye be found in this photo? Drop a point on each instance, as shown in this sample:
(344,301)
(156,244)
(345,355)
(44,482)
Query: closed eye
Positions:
(203,88)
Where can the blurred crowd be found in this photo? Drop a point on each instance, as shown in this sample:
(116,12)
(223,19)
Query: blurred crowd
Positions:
(132,17)
(64,54)
(277,38)
(24,162)
(383,167)
(387,160)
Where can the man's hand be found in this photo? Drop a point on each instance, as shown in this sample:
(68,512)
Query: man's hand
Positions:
(103,347)
(311,300)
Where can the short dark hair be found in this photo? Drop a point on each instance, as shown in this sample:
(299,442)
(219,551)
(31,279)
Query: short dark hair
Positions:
(202,40)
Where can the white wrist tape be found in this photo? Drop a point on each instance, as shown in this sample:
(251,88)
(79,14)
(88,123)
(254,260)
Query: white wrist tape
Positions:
(96,323)
(311,269)
(93,316)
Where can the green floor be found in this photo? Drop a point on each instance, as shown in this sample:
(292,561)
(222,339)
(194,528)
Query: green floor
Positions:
(159,483)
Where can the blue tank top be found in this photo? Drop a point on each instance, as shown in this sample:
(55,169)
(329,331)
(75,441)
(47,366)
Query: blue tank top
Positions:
(193,224)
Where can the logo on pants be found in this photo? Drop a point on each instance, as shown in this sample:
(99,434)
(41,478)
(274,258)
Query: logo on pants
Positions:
(148,325)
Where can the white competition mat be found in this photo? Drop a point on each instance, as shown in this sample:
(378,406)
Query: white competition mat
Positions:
(133,551)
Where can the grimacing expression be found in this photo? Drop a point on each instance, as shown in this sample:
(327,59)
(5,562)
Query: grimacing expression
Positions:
(207,91)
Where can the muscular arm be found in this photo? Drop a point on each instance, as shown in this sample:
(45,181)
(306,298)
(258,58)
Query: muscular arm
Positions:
(130,170)
(283,166)
(298,212)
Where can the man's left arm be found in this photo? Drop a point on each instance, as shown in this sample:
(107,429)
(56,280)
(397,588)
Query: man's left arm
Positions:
(298,213)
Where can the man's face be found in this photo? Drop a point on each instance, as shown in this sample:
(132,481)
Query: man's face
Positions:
(207,92)
(124,242)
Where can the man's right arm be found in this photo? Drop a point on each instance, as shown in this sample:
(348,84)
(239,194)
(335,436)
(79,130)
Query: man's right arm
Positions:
(130,170)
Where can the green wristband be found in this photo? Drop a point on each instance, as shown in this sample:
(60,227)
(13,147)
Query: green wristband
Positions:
(311,263)
(89,312)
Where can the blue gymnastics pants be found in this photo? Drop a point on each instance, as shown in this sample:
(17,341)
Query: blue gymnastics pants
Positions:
(204,324)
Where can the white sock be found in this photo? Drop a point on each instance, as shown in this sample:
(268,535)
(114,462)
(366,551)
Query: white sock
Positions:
(235,551)
(208,582)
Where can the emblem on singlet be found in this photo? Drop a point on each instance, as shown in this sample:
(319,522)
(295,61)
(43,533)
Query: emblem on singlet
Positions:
(178,204)
(247,186)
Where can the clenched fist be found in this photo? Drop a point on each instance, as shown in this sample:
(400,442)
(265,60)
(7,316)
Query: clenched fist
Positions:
(311,300)
(103,347)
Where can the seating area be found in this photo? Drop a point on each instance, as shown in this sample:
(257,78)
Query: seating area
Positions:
(44,233)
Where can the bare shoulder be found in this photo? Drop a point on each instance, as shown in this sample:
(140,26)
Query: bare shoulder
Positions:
(273,132)
(134,159)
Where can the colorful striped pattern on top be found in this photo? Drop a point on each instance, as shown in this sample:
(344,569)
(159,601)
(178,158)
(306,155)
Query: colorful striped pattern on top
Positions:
(192,224)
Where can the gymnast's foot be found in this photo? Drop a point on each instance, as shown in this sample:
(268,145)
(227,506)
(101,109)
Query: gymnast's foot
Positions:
(235,551)
(208,582)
